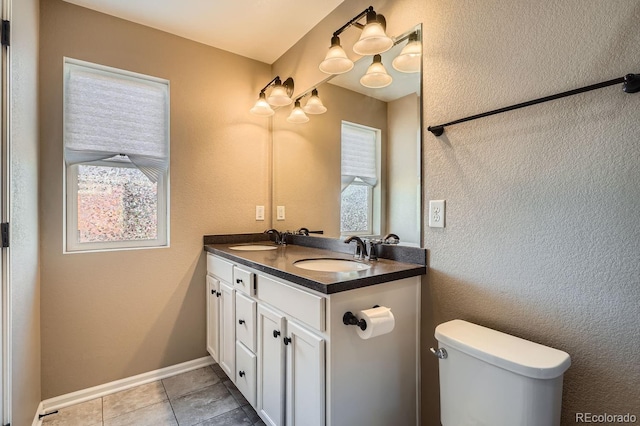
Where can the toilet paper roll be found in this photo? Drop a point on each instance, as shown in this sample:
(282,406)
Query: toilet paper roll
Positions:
(379,321)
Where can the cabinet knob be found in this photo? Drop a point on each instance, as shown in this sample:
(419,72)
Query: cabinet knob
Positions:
(241,373)
(213,292)
(276,333)
(239,281)
(218,294)
(287,340)
(241,321)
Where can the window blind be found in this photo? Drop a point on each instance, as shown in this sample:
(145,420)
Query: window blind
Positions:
(109,114)
(358,155)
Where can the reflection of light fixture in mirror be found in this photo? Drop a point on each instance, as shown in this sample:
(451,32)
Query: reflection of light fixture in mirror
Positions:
(376,76)
(314,104)
(410,59)
(297,114)
(262,107)
(373,39)
(336,61)
(281,93)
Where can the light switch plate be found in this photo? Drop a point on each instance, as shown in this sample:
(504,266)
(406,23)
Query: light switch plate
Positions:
(259,212)
(436,213)
(280,213)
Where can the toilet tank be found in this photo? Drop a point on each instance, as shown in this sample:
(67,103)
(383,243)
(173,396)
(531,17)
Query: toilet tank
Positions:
(495,379)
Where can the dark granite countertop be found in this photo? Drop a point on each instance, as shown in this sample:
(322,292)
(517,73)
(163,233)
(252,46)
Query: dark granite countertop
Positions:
(279,262)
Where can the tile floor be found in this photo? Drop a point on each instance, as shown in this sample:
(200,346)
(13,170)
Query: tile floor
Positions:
(202,397)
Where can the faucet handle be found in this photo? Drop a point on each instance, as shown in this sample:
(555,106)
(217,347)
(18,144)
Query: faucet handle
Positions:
(391,239)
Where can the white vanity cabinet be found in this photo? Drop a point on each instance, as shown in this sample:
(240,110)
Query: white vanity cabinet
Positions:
(213,312)
(296,362)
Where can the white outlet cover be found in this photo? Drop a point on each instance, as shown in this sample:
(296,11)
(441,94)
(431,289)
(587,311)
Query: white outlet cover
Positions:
(436,213)
(259,212)
(280,213)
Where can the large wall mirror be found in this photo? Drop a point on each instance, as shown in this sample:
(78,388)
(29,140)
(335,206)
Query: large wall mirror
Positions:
(310,178)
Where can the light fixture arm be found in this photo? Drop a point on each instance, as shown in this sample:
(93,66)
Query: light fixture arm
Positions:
(354,21)
(277,77)
(412,36)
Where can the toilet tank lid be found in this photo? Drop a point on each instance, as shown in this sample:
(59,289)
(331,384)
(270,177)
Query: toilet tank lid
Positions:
(503,350)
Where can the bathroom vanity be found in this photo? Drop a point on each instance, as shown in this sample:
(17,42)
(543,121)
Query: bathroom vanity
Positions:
(277,330)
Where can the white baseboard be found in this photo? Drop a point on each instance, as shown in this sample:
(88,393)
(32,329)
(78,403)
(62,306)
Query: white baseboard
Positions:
(83,395)
(36,419)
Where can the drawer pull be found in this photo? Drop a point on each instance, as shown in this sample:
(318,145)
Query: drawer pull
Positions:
(218,294)
(287,340)
(241,321)
(241,373)
(276,333)
(239,281)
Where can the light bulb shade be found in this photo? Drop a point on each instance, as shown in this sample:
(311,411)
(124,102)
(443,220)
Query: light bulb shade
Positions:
(297,115)
(262,107)
(376,76)
(314,104)
(336,61)
(411,56)
(278,96)
(373,39)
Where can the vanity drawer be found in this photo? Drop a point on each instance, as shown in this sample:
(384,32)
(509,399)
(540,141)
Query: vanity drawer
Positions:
(243,280)
(246,373)
(220,268)
(246,320)
(300,304)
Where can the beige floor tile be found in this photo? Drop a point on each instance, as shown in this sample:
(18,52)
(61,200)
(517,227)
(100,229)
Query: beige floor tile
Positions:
(188,382)
(86,414)
(159,414)
(204,404)
(133,399)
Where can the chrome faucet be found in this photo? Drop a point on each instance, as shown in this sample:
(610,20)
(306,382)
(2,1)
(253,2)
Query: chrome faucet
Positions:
(361,248)
(279,238)
(391,239)
(303,231)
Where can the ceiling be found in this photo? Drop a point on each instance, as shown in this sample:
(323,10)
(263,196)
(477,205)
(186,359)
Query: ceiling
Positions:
(259,29)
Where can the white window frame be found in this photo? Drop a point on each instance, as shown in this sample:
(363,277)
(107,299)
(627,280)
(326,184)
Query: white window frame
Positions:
(374,200)
(71,243)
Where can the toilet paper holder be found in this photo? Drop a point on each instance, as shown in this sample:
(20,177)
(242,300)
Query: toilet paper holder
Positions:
(350,319)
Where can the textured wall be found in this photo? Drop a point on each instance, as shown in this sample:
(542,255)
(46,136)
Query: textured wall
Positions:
(111,315)
(23,262)
(542,237)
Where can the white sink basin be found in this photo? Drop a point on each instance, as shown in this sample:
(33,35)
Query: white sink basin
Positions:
(252,247)
(331,265)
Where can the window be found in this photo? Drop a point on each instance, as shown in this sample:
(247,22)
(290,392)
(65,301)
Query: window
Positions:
(116,152)
(359,170)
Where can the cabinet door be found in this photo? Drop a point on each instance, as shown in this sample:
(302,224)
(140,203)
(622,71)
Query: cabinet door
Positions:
(305,377)
(271,366)
(227,330)
(213,313)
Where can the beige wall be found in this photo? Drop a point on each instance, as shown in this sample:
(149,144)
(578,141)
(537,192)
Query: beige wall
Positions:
(542,237)
(110,315)
(23,254)
(403,169)
(306,158)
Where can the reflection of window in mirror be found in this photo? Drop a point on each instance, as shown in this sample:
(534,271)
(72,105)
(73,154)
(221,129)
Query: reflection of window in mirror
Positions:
(360,159)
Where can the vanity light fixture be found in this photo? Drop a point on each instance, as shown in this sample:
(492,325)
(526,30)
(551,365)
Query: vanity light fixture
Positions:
(373,40)
(376,76)
(279,96)
(314,105)
(262,107)
(336,61)
(297,114)
(410,58)
(281,93)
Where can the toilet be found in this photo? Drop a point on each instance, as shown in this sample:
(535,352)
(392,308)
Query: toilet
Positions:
(495,379)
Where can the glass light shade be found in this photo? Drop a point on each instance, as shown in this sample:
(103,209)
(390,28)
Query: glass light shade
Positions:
(336,61)
(373,40)
(262,107)
(279,96)
(314,104)
(297,115)
(376,76)
(409,59)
